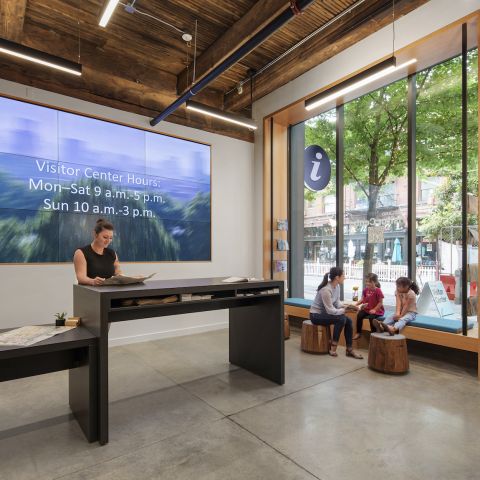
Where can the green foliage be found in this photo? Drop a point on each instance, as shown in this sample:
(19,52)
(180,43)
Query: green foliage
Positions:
(308,195)
(376,134)
(448,210)
(376,128)
(375,137)
(321,131)
(61,316)
(439,117)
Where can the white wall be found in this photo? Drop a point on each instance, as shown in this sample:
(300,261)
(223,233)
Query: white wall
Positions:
(419,23)
(31,294)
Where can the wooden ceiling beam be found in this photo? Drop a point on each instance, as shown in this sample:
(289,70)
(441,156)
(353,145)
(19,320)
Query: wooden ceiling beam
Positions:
(119,93)
(236,36)
(12,17)
(338,37)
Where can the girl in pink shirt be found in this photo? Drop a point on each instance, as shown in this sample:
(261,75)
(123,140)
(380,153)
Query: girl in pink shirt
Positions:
(371,303)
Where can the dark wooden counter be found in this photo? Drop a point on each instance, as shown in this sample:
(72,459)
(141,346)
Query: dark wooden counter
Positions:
(255,322)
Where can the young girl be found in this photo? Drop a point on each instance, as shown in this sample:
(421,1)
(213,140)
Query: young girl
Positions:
(406,310)
(372,303)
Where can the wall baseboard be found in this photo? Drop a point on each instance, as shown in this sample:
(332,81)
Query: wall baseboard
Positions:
(147,337)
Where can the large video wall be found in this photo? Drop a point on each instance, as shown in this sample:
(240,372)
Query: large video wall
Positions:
(60,172)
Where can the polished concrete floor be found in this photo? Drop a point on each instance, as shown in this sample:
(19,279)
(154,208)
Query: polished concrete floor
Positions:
(180,411)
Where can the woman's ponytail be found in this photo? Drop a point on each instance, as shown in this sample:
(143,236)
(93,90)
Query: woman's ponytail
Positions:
(332,274)
(324,282)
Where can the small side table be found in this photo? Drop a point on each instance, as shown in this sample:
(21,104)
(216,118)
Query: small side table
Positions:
(76,351)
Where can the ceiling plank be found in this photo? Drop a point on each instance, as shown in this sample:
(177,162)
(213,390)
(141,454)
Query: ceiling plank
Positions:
(236,36)
(338,37)
(118,93)
(123,65)
(12,16)
(128,65)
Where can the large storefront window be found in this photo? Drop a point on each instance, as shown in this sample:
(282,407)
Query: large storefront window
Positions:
(439,214)
(472,185)
(438,163)
(320,213)
(375,191)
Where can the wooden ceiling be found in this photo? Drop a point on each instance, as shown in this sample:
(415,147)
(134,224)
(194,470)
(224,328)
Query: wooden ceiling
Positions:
(139,65)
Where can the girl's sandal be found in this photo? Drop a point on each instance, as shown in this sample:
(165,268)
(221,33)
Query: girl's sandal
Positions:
(353,354)
(391,330)
(357,336)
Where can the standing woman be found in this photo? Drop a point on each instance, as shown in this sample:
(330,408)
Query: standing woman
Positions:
(96,262)
(327,309)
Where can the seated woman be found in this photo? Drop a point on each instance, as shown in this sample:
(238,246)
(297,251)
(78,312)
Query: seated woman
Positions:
(96,262)
(327,309)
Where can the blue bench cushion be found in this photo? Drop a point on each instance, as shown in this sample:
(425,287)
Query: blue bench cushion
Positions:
(422,321)
(298,302)
(441,324)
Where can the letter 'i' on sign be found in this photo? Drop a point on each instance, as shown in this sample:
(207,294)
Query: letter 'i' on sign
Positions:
(317,168)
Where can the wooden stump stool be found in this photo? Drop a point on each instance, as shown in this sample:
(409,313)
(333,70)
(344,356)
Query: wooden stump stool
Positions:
(388,354)
(315,338)
(286,328)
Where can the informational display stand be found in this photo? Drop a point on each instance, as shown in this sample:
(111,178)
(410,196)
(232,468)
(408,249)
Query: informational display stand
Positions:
(434,292)
(280,262)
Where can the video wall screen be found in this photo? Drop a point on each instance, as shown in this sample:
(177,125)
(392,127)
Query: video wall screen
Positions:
(60,172)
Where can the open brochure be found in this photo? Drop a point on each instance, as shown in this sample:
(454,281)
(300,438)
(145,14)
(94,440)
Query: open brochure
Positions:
(25,336)
(126,280)
(239,279)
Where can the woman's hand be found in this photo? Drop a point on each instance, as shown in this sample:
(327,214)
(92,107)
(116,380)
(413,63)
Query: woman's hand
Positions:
(97,281)
(396,317)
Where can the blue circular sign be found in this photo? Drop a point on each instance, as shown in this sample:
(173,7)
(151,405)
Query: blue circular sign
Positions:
(317,168)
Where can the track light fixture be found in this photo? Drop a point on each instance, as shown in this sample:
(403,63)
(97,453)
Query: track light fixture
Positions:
(130,7)
(220,114)
(108,12)
(36,56)
(382,69)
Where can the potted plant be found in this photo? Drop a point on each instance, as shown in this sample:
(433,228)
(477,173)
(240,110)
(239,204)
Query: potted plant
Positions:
(355,293)
(60,319)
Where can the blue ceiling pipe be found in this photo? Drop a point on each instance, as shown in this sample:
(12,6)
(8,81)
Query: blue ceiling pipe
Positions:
(251,44)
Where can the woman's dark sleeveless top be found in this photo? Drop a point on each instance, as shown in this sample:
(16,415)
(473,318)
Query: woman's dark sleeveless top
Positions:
(99,265)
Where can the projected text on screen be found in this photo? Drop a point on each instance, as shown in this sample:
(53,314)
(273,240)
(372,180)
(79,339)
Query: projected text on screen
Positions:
(59,172)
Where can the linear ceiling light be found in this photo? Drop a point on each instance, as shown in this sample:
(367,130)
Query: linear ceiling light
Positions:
(379,70)
(220,114)
(107,12)
(32,55)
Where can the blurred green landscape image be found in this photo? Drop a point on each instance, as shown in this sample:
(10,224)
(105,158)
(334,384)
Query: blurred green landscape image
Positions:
(60,172)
